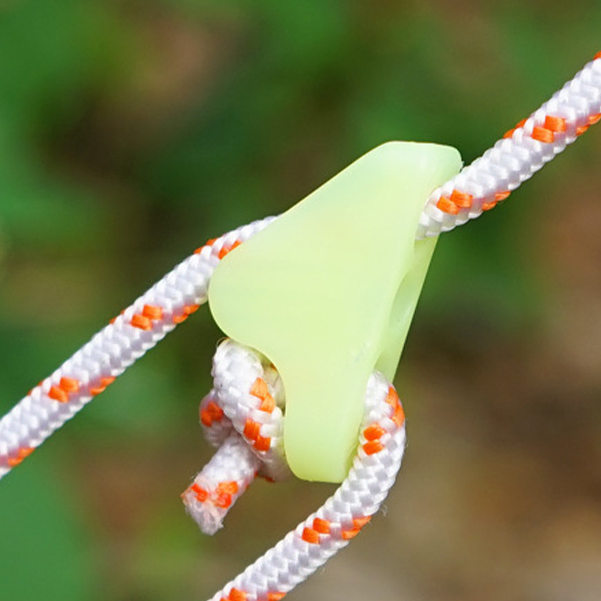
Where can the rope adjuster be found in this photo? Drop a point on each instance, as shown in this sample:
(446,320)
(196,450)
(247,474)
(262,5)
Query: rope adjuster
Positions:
(292,292)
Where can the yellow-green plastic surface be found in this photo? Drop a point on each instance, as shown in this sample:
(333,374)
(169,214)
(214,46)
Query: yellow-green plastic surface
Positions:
(327,293)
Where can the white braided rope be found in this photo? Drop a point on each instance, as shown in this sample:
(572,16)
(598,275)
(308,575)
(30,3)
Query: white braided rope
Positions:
(500,170)
(220,483)
(330,528)
(90,370)
(235,373)
(87,373)
(242,416)
(514,159)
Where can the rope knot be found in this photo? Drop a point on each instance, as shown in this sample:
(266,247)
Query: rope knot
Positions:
(243,417)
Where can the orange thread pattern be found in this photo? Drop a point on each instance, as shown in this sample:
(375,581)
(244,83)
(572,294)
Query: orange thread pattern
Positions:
(144,320)
(555,124)
(223,501)
(260,390)
(187,311)
(231,488)
(499,196)
(211,413)
(201,494)
(462,199)
(22,453)
(252,431)
(348,534)
(456,201)
(545,133)
(69,385)
(373,432)
(228,249)
(358,523)
(223,494)
(321,526)
(152,312)
(310,536)
(65,387)
(262,443)
(56,394)
(141,322)
(235,595)
(372,447)
(101,387)
(542,134)
(446,205)
(510,132)
(393,400)
(207,244)
(221,497)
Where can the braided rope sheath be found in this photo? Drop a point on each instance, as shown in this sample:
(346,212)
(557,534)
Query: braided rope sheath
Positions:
(478,188)
(110,352)
(242,416)
(515,158)
(236,371)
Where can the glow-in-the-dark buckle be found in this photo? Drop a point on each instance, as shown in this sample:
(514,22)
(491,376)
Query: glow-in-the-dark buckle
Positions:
(327,292)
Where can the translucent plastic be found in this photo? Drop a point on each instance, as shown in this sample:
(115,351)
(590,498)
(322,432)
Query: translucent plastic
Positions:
(327,293)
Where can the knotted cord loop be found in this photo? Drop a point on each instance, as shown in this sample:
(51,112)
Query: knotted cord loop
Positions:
(243,417)
(479,187)
(247,389)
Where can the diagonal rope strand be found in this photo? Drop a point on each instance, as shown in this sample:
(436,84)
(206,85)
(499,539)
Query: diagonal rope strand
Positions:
(477,188)
(112,350)
(518,155)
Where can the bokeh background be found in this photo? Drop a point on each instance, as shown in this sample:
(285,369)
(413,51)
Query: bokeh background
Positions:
(131,131)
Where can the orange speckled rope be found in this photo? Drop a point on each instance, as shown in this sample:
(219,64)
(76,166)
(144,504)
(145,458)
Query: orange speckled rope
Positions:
(247,388)
(252,433)
(521,152)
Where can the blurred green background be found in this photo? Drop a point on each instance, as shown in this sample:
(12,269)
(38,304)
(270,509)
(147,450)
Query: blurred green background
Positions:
(131,131)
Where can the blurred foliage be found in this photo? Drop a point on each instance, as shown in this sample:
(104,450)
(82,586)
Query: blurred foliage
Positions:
(45,551)
(131,131)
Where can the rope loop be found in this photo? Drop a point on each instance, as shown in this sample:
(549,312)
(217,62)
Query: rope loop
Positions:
(243,416)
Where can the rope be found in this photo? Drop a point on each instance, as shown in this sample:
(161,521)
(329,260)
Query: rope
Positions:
(247,390)
(110,352)
(243,417)
(234,414)
(521,152)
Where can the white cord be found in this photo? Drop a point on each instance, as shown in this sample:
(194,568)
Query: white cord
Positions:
(236,371)
(516,157)
(110,352)
(235,413)
(476,188)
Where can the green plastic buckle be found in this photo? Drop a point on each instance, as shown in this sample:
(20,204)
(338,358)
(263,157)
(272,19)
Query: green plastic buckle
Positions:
(327,292)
